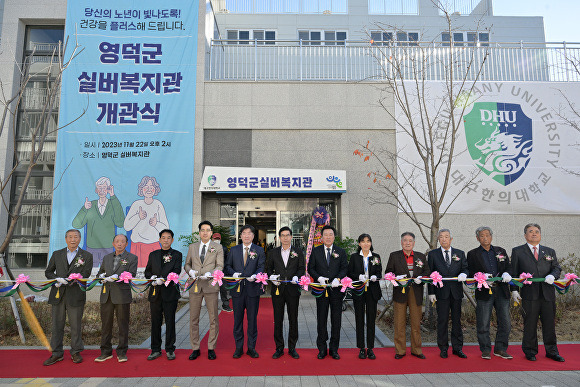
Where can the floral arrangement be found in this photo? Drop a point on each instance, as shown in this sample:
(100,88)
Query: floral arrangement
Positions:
(166,258)
(419,263)
(80,261)
(455,258)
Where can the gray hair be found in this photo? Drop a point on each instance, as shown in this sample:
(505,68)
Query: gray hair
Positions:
(483,228)
(444,230)
(409,233)
(103,181)
(72,230)
(532,225)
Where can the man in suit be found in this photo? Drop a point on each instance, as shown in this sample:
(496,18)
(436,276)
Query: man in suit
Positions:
(538,299)
(491,260)
(217,238)
(163,299)
(68,299)
(246,260)
(100,216)
(116,298)
(328,262)
(449,262)
(285,263)
(408,263)
(203,258)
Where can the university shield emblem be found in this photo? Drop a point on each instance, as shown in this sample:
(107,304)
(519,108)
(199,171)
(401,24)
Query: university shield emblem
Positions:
(499,139)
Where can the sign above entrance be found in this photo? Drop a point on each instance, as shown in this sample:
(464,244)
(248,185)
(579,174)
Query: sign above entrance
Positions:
(230,179)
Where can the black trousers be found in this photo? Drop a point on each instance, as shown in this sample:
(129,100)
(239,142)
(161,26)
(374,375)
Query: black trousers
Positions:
(443,308)
(291,302)
(365,306)
(122,311)
(224,295)
(334,301)
(544,311)
(245,304)
(159,310)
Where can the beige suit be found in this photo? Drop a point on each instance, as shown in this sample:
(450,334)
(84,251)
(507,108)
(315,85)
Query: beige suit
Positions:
(214,260)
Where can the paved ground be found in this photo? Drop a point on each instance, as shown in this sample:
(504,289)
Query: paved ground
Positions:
(307,339)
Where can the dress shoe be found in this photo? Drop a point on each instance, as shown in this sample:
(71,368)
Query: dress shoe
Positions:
(460,354)
(292,352)
(443,354)
(531,357)
(252,353)
(397,356)
(321,354)
(211,354)
(154,355)
(556,358)
(122,358)
(371,354)
(335,355)
(486,355)
(362,354)
(238,353)
(52,360)
(503,355)
(195,354)
(419,355)
(103,358)
(278,354)
(77,358)
(170,355)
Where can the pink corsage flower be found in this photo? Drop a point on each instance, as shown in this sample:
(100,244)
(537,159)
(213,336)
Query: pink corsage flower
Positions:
(304,282)
(525,277)
(390,276)
(172,277)
(437,279)
(346,282)
(125,277)
(21,280)
(217,278)
(481,279)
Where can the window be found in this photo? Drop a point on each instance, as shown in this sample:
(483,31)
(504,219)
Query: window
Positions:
(465,39)
(315,37)
(29,247)
(250,36)
(392,7)
(400,38)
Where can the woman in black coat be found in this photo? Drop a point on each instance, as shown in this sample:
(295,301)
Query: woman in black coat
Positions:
(365,265)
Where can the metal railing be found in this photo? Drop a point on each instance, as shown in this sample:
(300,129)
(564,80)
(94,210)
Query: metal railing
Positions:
(360,61)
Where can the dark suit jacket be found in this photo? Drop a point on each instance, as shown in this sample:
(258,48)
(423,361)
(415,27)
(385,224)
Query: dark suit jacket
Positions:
(119,292)
(398,265)
(356,267)
(235,264)
(317,266)
(523,261)
(476,263)
(157,266)
(437,263)
(296,267)
(58,267)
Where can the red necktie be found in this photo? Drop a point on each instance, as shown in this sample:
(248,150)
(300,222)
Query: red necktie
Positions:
(535,252)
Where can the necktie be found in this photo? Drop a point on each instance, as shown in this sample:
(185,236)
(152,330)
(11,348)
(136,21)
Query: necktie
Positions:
(536,253)
(202,255)
(245,255)
(447,259)
(328,256)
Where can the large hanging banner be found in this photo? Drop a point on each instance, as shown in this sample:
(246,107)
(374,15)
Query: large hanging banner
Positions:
(516,151)
(126,164)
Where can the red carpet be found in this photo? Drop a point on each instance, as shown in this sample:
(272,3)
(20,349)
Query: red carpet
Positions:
(28,363)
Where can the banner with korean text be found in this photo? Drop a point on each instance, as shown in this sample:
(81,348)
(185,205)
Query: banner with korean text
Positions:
(126,164)
(517,149)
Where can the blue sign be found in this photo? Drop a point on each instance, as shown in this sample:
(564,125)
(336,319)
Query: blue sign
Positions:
(126,164)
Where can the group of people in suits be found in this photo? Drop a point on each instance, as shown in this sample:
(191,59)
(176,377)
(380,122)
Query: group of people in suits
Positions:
(328,264)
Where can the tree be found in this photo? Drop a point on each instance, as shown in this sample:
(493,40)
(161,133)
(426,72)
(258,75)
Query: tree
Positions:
(40,129)
(429,116)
